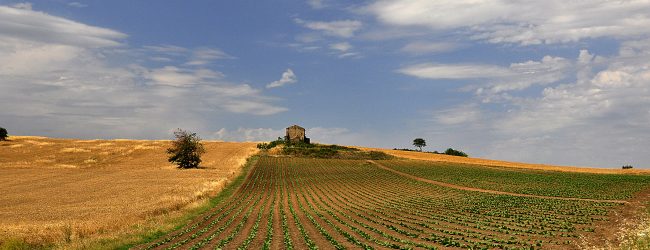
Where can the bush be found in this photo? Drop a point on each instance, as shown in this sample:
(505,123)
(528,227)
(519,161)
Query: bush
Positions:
(3,134)
(186,150)
(451,151)
(270,145)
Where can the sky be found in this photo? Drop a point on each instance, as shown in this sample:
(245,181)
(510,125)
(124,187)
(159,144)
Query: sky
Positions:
(553,82)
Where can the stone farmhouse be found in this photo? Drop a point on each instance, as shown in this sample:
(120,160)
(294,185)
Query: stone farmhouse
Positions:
(296,134)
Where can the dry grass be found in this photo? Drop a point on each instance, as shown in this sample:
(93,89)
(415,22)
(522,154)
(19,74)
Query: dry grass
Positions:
(61,191)
(486,162)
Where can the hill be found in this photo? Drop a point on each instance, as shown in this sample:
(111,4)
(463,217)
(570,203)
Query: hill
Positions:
(487,162)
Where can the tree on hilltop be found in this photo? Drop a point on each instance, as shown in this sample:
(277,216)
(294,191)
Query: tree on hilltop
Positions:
(186,150)
(3,134)
(419,142)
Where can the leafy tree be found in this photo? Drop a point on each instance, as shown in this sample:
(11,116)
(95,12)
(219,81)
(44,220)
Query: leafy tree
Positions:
(419,142)
(186,150)
(3,134)
(451,151)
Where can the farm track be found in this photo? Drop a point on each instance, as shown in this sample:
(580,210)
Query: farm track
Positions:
(296,203)
(444,184)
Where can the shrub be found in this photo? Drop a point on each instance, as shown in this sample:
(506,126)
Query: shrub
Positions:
(3,134)
(270,145)
(186,150)
(377,155)
(451,151)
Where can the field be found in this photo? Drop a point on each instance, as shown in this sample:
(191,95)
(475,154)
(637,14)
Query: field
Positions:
(497,163)
(63,191)
(300,203)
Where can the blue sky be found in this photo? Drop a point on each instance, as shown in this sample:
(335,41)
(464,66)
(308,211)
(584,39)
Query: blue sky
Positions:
(551,82)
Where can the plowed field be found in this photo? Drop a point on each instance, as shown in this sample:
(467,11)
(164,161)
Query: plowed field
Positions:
(298,203)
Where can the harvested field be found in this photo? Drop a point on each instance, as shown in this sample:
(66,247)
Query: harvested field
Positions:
(61,190)
(497,163)
(300,203)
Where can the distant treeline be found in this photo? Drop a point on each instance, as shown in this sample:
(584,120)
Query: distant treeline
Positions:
(449,151)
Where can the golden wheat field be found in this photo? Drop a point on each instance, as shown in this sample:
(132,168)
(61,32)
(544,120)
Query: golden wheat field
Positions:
(487,162)
(57,191)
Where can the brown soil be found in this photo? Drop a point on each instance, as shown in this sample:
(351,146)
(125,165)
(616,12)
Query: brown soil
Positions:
(444,184)
(497,163)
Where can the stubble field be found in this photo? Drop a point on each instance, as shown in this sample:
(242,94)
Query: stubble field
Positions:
(65,191)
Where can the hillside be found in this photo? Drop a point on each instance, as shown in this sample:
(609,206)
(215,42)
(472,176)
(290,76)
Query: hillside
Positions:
(487,162)
(66,190)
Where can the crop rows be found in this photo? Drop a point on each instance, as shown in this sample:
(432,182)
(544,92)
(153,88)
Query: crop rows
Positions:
(298,203)
(527,181)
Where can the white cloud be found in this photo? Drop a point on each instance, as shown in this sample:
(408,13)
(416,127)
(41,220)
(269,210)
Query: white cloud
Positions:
(497,79)
(596,119)
(38,27)
(420,47)
(25,6)
(77,5)
(341,47)
(173,76)
(64,78)
(342,28)
(248,134)
(316,134)
(458,115)
(316,4)
(287,78)
(520,22)
(454,71)
(203,56)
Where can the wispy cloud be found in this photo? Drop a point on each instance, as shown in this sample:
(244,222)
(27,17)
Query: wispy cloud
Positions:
(77,5)
(497,79)
(525,23)
(341,28)
(34,26)
(341,47)
(316,4)
(454,71)
(421,47)
(287,78)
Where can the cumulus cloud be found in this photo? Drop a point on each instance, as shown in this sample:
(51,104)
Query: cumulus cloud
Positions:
(520,22)
(63,78)
(592,119)
(287,78)
(342,28)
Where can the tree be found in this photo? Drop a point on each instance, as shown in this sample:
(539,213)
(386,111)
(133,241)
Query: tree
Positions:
(186,150)
(451,151)
(3,134)
(419,142)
